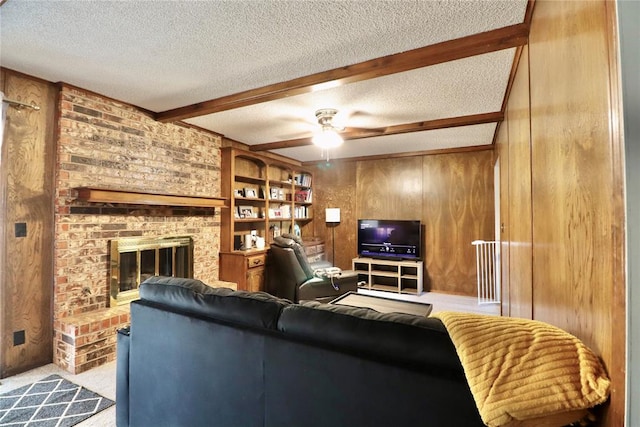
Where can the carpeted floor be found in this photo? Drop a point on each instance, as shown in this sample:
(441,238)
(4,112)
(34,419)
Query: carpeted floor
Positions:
(51,401)
(100,380)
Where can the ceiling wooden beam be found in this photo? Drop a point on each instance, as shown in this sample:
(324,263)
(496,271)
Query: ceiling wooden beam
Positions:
(464,47)
(450,122)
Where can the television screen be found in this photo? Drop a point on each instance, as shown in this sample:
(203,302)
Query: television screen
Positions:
(384,238)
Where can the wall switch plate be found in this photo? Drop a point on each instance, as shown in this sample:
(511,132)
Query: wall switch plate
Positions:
(21,229)
(19,338)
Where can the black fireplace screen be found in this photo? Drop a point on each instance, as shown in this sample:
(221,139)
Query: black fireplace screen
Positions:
(133,260)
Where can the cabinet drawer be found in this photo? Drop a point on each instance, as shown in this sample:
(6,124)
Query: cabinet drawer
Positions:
(255,261)
(316,258)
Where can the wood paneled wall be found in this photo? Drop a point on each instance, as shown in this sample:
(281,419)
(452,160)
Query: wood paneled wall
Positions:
(334,186)
(577,209)
(458,209)
(26,261)
(390,188)
(518,194)
(451,194)
(502,151)
(574,185)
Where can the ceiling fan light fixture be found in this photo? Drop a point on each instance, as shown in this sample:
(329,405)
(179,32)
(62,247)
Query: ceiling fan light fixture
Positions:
(327,138)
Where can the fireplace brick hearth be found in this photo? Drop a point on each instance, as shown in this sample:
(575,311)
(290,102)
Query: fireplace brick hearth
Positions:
(107,144)
(89,340)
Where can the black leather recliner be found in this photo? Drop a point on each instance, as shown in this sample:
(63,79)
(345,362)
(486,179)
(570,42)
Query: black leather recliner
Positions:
(290,275)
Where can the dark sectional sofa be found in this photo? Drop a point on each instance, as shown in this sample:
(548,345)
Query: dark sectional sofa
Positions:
(202,356)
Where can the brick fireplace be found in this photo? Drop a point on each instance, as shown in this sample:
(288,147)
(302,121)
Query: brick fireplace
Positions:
(107,144)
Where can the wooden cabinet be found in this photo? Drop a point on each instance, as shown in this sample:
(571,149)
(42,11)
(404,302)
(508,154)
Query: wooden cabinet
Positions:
(246,268)
(266,197)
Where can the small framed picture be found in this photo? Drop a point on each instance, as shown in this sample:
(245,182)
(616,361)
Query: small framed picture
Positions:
(274,193)
(246,212)
(250,192)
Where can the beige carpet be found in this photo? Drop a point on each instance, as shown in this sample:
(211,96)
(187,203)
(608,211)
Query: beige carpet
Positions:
(102,380)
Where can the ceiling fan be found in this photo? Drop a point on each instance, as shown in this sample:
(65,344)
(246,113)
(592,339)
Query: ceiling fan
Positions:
(328,136)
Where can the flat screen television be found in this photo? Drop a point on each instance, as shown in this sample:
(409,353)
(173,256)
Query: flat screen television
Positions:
(387,238)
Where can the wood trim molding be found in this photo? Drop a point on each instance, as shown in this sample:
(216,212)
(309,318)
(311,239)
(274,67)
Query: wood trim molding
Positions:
(615,414)
(468,149)
(474,119)
(464,47)
(103,195)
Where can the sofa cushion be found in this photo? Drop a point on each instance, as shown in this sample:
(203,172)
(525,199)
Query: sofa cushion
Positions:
(257,309)
(402,338)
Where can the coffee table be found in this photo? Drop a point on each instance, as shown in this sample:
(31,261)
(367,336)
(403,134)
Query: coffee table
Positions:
(383,305)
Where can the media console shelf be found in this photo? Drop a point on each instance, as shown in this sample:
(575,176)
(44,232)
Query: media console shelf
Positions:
(389,275)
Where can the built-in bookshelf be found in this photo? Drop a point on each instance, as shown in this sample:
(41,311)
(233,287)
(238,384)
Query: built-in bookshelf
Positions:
(266,197)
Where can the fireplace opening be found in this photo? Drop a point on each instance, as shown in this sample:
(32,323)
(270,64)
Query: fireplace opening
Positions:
(133,260)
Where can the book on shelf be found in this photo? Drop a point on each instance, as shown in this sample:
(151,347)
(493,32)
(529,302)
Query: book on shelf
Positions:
(282,212)
(303,196)
(286,211)
(301,212)
(302,179)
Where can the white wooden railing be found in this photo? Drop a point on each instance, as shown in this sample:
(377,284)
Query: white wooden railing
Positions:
(488,271)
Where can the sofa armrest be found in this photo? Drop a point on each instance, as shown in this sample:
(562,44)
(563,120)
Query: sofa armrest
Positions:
(122,377)
(321,289)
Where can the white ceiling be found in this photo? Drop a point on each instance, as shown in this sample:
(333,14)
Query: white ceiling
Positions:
(161,55)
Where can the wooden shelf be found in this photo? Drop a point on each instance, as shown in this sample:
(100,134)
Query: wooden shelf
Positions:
(249,179)
(102,195)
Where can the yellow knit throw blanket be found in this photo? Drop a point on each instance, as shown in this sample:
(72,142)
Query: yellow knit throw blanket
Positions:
(520,369)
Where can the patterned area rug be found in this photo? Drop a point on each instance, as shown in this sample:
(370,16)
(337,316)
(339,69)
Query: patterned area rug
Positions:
(52,401)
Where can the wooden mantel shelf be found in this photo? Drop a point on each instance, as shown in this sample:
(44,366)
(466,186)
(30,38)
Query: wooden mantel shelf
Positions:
(102,195)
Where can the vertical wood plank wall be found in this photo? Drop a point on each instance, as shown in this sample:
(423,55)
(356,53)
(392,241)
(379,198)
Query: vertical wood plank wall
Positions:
(334,186)
(28,155)
(502,151)
(452,194)
(519,193)
(575,186)
(458,209)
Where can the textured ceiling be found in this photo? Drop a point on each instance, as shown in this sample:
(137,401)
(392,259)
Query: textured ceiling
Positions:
(161,55)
